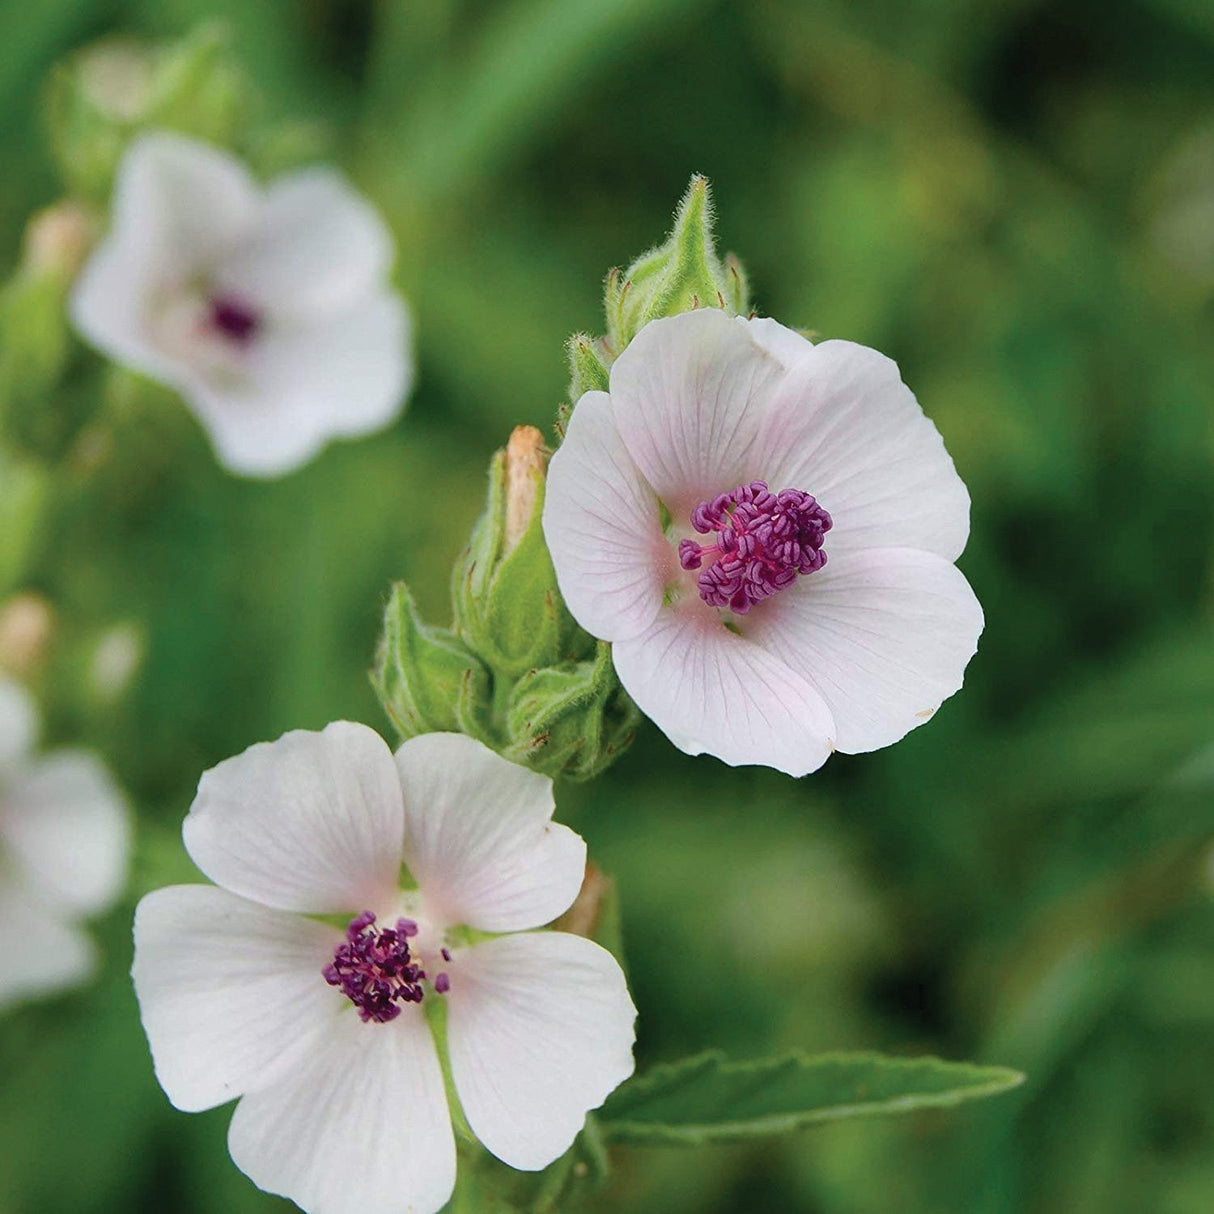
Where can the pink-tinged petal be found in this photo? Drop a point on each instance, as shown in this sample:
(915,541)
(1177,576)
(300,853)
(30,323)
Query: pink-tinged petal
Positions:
(689,395)
(312,822)
(540,1031)
(18,722)
(603,525)
(479,837)
(301,385)
(40,953)
(179,205)
(785,345)
(360,1124)
(231,994)
(318,247)
(845,428)
(712,691)
(884,634)
(64,823)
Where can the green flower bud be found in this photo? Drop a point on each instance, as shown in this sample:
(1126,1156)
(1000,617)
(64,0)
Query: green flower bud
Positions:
(507,605)
(36,417)
(682,274)
(515,672)
(425,677)
(24,488)
(109,91)
(571,720)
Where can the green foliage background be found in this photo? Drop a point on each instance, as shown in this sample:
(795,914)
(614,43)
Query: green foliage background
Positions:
(1014,199)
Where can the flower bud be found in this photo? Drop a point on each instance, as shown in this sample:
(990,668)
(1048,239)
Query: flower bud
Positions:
(24,488)
(37,417)
(680,275)
(426,678)
(27,623)
(106,93)
(57,240)
(507,605)
(572,720)
(516,672)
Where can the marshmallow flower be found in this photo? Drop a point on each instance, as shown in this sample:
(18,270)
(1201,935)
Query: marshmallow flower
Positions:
(322,1030)
(269,310)
(765,530)
(64,841)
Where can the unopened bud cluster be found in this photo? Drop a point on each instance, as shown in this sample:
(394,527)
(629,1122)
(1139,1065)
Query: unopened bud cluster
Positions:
(680,275)
(514,671)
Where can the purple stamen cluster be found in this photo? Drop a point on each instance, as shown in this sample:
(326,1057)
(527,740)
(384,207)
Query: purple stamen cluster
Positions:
(234,319)
(763,541)
(375,969)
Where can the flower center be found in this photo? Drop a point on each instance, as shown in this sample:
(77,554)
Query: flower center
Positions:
(377,970)
(233,319)
(761,542)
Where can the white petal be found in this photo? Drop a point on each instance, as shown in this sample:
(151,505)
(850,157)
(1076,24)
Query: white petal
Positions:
(18,722)
(603,525)
(179,205)
(231,994)
(884,634)
(709,690)
(360,1125)
(540,1031)
(311,823)
(302,385)
(65,823)
(782,343)
(479,836)
(845,428)
(318,247)
(689,395)
(40,954)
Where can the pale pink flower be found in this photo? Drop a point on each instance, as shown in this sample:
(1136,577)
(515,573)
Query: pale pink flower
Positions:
(765,530)
(269,309)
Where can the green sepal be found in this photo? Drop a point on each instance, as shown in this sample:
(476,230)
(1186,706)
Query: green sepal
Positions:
(588,372)
(707,1098)
(425,677)
(679,275)
(572,720)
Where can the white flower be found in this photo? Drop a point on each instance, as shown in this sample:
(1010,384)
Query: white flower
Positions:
(269,310)
(690,513)
(324,1033)
(64,840)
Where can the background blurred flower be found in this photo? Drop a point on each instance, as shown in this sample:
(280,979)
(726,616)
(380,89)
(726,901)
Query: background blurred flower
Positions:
(325,1036)
(63,855)
(752,646)
(269,310)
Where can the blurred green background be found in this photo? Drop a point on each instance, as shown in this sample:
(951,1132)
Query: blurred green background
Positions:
(1015,200)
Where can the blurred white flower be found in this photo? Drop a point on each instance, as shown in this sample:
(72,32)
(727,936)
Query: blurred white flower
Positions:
(269,310)
(64,842)
(324,1033)
(690,513)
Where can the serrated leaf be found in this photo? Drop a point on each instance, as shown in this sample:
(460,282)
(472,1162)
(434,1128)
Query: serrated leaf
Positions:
(707,1098)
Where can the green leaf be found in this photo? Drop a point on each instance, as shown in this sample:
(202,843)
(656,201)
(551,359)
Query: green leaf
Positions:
(709,1099)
